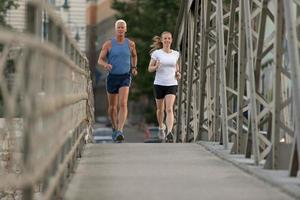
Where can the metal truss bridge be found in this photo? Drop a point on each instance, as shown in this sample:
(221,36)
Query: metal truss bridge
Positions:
(239,95)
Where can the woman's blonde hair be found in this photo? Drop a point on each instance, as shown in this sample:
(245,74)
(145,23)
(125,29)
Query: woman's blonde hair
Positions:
(157,43)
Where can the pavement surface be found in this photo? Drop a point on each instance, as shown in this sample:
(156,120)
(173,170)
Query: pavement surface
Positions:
(158,171)
(276,178)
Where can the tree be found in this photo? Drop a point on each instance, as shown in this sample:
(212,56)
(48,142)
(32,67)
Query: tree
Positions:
(6,5)
(145,19)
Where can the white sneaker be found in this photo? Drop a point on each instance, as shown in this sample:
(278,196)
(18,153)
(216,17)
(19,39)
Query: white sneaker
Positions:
(162,132)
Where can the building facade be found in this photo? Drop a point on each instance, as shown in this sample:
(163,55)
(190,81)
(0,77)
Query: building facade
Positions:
(100,27)
(73,13)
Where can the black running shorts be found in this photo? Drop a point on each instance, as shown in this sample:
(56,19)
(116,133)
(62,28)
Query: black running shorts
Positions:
(160,91)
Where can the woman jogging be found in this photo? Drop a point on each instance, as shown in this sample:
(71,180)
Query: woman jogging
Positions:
(164,61)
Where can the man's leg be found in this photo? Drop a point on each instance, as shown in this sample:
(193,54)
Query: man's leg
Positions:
(160,112)
(122,115)
(170,99)
(112,108)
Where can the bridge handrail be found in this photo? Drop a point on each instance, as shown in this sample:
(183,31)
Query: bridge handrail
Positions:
(47,100)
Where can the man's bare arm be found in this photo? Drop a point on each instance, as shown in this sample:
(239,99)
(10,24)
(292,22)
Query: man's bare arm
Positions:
(103,56)
(133,54)
(133,58)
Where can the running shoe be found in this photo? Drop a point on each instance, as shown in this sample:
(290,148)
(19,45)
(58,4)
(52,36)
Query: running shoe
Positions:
(119,137)
(162,133)
(170,137)
(114,134)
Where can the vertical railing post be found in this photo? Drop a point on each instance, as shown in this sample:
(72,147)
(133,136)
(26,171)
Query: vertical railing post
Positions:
(251,83)
(231,67)
(221,66)
(192,73)
(205,19)
(277,90)
(241,75)
(181,100)
(34,27)
(293,53)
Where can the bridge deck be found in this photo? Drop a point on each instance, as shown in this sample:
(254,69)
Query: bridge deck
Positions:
(162,171)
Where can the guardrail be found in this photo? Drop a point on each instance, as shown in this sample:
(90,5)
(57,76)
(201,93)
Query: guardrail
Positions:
(47,105)
(240,63)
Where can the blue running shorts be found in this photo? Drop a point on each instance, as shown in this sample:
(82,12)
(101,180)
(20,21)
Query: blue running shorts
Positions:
(115,81)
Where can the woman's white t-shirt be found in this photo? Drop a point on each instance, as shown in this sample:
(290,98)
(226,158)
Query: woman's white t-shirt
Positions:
(165,74)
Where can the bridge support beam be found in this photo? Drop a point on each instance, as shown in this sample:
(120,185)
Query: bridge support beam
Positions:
(231,55)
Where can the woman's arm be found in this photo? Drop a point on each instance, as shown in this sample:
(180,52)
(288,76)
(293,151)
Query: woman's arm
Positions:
(178,72)
(153,65)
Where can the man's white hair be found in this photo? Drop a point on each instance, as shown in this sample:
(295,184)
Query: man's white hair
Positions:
(120,21)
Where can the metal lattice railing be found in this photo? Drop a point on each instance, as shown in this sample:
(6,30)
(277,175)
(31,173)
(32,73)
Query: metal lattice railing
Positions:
(46,105)
(240,85)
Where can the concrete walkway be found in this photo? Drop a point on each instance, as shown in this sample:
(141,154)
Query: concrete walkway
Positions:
(141,171)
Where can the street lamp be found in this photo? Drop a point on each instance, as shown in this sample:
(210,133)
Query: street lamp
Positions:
(77,36)
(66,5)
(75,28)
(65,13)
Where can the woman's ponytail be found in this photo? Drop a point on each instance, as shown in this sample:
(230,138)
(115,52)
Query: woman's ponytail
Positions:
(157,44)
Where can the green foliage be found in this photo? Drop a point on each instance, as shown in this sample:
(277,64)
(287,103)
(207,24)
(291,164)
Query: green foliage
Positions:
(227,2)
(145,19)
(6,5)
